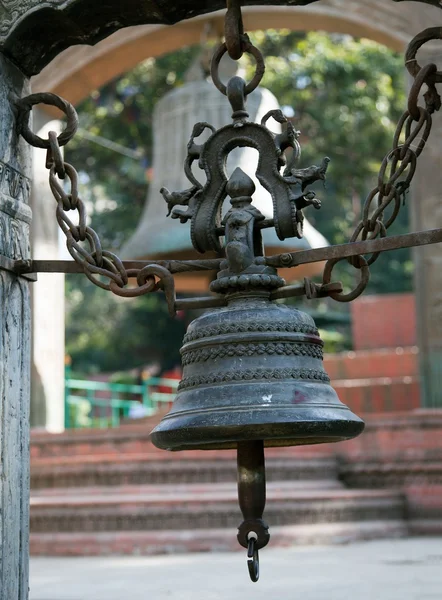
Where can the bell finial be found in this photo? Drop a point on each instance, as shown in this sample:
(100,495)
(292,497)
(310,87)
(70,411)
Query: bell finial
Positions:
(240,185)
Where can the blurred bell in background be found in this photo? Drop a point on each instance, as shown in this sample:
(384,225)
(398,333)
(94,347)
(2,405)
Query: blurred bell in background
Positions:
(158,237)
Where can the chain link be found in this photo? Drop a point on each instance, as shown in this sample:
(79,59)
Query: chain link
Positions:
(234,30)
(398,166)
(102,267)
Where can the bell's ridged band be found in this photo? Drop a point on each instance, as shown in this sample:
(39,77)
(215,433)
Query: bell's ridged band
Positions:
(228,350)
(253,374)
(255,326)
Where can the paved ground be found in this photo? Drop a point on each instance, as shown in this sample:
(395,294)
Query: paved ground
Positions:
(381,570)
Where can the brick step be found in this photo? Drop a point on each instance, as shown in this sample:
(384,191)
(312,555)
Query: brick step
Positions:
(170,493)
(147,543)
(368,364)
(103,471)
(397,473)
(380,395)
(132,440)
(204,507)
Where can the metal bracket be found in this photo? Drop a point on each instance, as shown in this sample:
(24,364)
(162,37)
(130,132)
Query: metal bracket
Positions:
(17,267)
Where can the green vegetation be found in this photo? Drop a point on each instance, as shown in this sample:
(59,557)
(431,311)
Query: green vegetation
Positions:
(345,96)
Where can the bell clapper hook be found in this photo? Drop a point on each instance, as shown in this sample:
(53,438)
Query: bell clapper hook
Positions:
(253,533)
(253,557)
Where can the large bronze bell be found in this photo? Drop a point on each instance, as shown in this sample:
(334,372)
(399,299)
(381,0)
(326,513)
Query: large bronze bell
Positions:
(253,374)
(253,371)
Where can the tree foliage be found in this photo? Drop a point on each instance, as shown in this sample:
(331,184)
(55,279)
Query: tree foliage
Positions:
(345,95)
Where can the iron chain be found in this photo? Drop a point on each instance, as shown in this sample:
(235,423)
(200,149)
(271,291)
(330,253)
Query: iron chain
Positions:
(398,166)
(102,267)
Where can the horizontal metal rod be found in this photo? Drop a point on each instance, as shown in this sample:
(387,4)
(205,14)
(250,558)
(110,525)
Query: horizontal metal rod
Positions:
(289,259)
(288,291)
(205,302)
(70,266)
(408,240)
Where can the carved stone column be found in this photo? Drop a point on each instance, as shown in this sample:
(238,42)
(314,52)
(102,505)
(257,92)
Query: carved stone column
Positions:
(426,208)
(15,332)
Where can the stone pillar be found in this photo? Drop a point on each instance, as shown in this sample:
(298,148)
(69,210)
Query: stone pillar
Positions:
(426,210)
(47,293)
(15,218)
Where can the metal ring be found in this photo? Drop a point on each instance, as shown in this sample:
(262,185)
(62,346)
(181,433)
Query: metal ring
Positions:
(424,123)
(76,251)
(79,232)
(381,230)
(250,49)
(253,560)
(70,200)
(132,292)
(24,106)
(111,272)
(413,67)
(411,135)
(54,156)
(365,277)
(166,283)
(419,81)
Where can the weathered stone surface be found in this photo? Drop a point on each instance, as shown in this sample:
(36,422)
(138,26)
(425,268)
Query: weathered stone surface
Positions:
(15,216)
(32,33)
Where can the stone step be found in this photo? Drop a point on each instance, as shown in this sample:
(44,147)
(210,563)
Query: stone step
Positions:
(147,543)
(155,508)
(136,470)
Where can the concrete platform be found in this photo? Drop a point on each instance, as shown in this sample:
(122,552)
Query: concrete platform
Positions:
(409,569)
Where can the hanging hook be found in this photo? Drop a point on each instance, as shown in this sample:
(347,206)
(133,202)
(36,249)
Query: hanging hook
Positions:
(253,557)
(234,29)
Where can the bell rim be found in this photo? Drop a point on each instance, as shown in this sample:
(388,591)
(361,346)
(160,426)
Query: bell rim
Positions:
(307,433)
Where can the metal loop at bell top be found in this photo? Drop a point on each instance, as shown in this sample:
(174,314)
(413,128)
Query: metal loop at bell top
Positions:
(234,29)
(250,49)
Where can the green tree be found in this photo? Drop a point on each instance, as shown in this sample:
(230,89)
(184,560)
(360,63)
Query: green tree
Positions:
(346,96)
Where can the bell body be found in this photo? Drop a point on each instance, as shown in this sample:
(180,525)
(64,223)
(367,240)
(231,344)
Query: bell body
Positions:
(253,371)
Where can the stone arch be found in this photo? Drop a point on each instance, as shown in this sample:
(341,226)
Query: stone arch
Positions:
(80,69)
